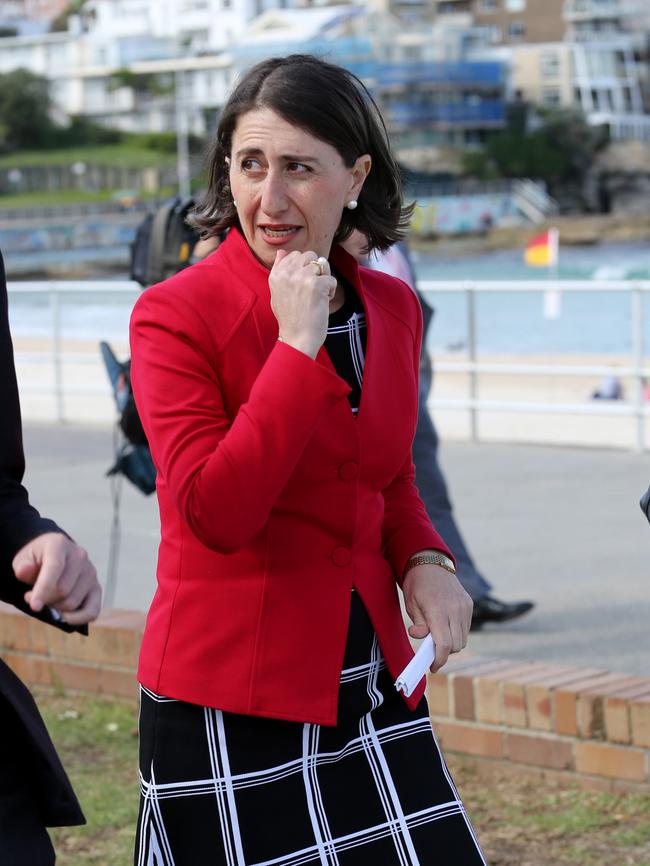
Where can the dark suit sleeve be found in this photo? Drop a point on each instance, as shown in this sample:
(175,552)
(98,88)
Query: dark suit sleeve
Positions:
(19,521)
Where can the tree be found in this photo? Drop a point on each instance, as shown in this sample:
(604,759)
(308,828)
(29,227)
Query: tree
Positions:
(25,121)
(60,23)
(143,84)
(554,145)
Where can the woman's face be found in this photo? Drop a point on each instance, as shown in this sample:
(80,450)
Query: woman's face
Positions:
(290,187)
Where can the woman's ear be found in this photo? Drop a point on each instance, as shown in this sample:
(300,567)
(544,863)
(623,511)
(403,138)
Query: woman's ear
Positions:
(360,171)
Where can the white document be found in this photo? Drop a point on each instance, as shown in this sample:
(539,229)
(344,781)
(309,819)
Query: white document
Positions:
(407,681)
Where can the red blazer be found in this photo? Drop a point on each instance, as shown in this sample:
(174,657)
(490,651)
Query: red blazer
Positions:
(274,499)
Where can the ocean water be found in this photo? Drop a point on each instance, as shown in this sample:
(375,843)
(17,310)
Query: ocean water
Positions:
(598,322)
(506,322)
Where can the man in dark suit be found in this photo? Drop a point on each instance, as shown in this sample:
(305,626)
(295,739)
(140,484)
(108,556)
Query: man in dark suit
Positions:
(46,575)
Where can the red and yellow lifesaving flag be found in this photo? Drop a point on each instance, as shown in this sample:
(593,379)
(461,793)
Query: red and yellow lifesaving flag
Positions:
(542,251)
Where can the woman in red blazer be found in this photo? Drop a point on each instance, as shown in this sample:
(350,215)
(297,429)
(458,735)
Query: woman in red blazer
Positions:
(277,385)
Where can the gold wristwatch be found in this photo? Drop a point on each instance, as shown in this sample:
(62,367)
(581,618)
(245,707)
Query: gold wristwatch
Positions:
(433,557)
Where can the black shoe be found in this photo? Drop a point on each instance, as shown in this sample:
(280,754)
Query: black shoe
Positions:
(489,609)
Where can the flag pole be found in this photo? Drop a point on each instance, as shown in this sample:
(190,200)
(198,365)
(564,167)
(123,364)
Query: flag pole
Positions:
(552,296)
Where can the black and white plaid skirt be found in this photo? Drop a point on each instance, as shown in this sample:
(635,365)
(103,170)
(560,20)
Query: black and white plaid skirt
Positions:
(221,789)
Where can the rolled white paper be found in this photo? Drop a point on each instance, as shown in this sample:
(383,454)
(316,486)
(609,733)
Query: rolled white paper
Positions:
(407,681)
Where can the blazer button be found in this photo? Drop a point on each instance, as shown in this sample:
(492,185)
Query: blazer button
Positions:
(341,556)
(348,471)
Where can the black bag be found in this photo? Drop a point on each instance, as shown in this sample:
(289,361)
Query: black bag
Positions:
(163,243)
(645,503)
(133,458)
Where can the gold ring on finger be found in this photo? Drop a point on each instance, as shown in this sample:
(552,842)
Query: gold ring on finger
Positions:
(322,264)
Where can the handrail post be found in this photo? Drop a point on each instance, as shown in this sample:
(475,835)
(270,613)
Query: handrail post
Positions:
(637,351)
(471,351)
(55,308)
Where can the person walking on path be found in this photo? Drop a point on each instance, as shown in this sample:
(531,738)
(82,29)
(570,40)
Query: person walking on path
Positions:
(48,576)
(430,479)
(277,386)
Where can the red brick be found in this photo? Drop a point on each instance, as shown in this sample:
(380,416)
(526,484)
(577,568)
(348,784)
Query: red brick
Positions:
(566,701)
(113,644)
(65,645)
(591,706)
(540,698)
(38,635)
(640,720)
(438,694)
(14,630)
(463,689)
(79,678)
(613,762)
(489,691)
(464,685)
(515,710)
(617,713)
(20,664)
(34,670)
(121,684)
(470,739)
(548,752)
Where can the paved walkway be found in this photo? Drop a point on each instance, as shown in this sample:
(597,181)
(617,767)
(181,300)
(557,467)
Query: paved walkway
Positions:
(559,525)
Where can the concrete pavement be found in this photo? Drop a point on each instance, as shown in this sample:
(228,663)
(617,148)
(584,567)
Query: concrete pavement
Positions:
(559,525)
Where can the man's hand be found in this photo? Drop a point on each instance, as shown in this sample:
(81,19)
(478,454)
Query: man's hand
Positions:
(61,576)
(437,603)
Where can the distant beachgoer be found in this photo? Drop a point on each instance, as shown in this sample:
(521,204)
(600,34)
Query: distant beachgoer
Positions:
(430,480)
(611,388)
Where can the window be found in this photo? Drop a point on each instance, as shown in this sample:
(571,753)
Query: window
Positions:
(550,64)
(488,5)
(515,5)
(551,96)
(495,35)
(516,30)
(412,52)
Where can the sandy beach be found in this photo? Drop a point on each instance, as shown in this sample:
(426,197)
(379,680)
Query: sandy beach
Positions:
(87,397)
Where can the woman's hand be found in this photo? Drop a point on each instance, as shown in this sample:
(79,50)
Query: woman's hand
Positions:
(437,603)
(300,299)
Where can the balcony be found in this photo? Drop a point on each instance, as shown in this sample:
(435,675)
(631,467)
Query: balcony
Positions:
(586,10)
(487,113)
(465,74)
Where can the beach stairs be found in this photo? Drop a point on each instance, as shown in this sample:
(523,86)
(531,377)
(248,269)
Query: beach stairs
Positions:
(532,201)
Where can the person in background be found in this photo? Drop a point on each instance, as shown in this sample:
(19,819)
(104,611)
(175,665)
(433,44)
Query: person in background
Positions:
(430,480)
(270,727)
(611,388)
(46,575)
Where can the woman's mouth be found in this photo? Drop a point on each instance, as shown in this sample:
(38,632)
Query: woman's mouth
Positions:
(279,232)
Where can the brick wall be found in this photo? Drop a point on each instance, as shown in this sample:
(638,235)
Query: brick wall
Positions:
(585,722)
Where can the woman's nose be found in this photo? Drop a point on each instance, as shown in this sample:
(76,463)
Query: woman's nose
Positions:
(274,194)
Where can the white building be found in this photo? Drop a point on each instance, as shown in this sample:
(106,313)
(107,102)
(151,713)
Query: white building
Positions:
(184,43)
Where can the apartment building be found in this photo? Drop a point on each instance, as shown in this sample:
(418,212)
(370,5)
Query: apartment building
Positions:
(429,95)
(589,54)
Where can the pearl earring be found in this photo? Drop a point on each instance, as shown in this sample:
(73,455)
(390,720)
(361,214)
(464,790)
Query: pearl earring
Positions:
(352,204)
(234,202)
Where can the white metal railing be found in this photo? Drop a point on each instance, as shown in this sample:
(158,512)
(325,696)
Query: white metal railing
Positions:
(56,292)
(635,409)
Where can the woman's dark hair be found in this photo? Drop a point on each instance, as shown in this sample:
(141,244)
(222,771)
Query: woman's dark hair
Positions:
(332,104)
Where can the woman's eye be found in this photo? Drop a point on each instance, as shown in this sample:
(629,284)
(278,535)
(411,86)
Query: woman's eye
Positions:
(250,165)
(298,167)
